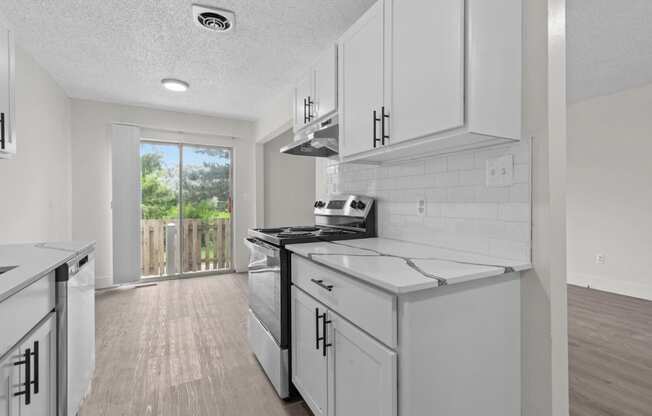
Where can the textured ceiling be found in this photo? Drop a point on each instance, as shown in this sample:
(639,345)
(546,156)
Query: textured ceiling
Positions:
(609,46)
(119,50)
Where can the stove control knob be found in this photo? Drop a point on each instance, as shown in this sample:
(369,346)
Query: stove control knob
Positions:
(316,204)
(361,205)
(354,204)
(320,204)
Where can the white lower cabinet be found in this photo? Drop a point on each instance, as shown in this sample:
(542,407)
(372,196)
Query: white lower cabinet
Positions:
(361,372)
(339,369)
(309,366)
(28,374)
(8,380)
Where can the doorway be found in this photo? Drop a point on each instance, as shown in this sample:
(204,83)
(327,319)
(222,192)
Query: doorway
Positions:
(186,209)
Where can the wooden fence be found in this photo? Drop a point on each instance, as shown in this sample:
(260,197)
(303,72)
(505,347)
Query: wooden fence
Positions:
(206,246)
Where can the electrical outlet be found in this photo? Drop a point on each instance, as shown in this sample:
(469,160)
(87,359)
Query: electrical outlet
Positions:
(421,207)
(500,171)
(600,259)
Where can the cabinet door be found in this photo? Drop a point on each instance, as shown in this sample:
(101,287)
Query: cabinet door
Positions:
(427,67)
(361,78)
(303,91)
(326,83)
(43,347)
(9,384)
(8,145)
(362,375)
(308,362)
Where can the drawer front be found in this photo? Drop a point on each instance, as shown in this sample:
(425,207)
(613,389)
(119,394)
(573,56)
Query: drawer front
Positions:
(26,309)
(369,308)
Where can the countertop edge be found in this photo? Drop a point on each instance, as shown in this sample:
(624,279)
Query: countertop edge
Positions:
(38,276)
(317,258)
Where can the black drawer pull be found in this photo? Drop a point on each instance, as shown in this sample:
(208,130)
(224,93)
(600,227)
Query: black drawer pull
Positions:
(382,125)
(26,361)
(323,328)
(310,104)
(376,120)
(2,131)
(317,337)
(36,378)
(323,285)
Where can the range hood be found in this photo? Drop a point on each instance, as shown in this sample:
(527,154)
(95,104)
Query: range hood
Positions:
(321,141)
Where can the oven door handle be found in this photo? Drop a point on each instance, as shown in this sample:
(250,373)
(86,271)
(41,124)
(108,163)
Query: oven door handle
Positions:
(265,270)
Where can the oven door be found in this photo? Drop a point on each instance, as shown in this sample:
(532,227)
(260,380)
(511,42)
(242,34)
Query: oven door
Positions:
(265,285)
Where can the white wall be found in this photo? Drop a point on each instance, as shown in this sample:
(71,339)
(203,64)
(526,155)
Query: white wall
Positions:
(610,192)
(289,185)
(91,169)
(35,187)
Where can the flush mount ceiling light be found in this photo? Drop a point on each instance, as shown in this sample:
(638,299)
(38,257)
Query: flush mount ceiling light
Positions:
(215,20)
(175,85)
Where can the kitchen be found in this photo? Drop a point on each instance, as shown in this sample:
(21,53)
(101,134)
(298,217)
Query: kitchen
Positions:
(402,277)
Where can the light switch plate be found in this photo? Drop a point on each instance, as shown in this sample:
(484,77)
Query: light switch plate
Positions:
(500,171)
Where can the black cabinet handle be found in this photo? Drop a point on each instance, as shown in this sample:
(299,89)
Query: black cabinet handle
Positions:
(26,361)
(324,344)
(382,124)
(317,337)
(376,120)
(305,115)
(2,130)
(310,104)
(36,377)
(323,285)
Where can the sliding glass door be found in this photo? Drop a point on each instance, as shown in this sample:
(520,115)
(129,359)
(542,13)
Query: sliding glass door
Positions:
(186,225)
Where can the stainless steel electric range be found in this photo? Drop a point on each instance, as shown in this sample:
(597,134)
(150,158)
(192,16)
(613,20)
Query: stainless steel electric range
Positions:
(342,217)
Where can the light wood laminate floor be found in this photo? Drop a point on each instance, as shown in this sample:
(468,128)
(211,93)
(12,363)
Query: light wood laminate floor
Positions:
(179,348)
(610,354)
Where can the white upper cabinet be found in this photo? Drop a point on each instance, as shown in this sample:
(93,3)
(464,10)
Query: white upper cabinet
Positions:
(7,93)
(441,76)
(326,84)
(315,94)
(362,75)
(426,44)
(303,98)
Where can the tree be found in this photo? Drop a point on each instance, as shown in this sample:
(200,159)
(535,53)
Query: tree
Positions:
(158,199)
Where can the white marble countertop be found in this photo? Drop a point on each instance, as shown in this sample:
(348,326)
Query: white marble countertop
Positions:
(33,261)
(401,267)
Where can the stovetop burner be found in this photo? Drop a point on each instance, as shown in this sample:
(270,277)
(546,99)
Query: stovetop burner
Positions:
(305,232)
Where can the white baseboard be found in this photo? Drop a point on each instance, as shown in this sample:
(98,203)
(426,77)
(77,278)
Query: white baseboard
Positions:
(612,285)
(102,282)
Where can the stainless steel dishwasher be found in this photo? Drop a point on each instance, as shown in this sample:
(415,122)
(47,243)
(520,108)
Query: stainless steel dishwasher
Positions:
(75,331)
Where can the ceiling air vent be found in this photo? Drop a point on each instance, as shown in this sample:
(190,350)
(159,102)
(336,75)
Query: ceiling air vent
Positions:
(215,20)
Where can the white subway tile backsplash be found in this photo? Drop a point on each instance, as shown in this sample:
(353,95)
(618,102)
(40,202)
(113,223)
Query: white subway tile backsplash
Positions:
(462,194)
(484,194)
(447,179)
(472,211)
(462,213)
(461,161)
(436,165)
(473,177)
(515,212)
(519,193)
